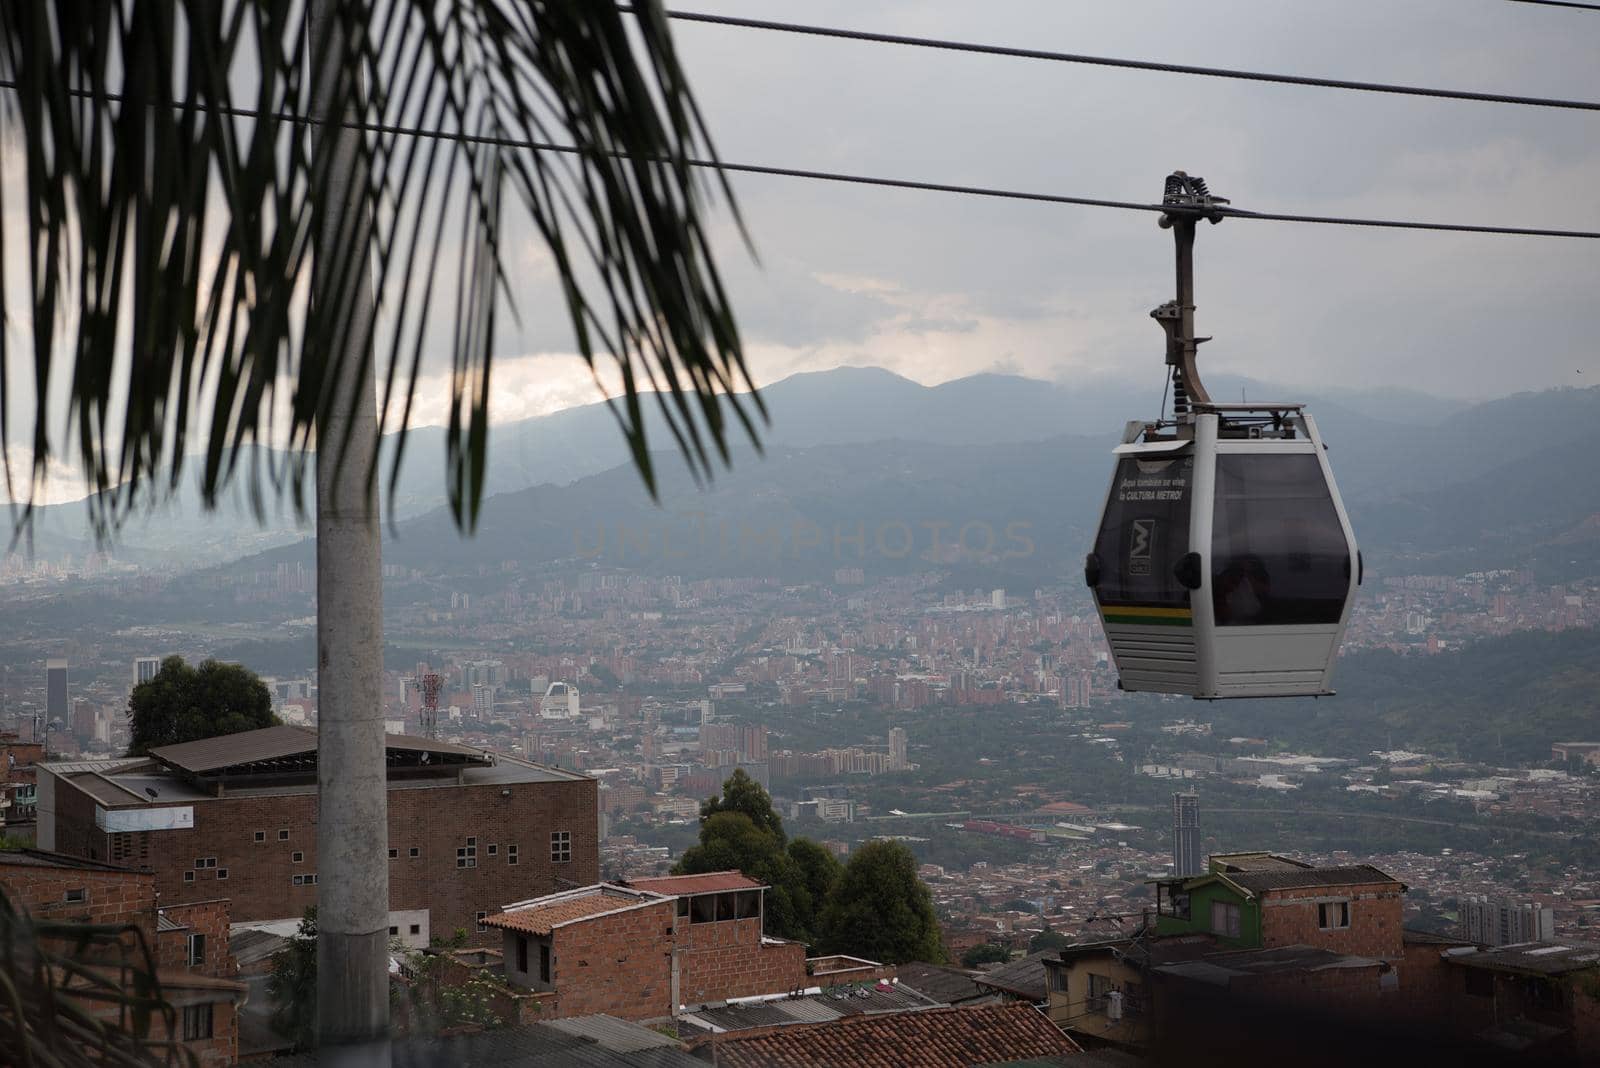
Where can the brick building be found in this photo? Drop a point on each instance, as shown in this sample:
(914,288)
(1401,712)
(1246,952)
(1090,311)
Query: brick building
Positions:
(189,944)
(640,951)
(18,781)
(236,817)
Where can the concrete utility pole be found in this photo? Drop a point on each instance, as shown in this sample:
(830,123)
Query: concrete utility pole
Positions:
(353,812)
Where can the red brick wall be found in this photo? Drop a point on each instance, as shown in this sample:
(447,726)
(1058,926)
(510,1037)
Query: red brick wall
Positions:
(727,959)
(437,821)
(222,1048)
(110,896)
(619,964)
(1289,918)
(209,918)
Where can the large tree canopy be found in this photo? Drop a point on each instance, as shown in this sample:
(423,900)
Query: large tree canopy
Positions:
(184,704)
(881,910)
(741,793)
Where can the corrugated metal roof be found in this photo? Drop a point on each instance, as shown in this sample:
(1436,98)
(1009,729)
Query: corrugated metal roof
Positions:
(532,1045)
(613,1034)
(1257,882)
(1024,978)
(710,882)
(40,858)
(1541,958)
(542,915)
(279,743)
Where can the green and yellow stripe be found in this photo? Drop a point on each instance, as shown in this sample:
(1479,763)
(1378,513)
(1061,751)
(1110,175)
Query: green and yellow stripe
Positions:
(1157,617)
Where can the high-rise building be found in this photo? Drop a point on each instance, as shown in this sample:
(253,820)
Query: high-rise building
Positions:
(145,668)
(897,749)
(1498,922)
(997,598)
(56,704)
(1186,859)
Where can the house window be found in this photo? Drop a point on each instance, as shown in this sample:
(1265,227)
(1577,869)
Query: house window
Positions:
(1333,915)
(303,880)
(482,927)
(1132,999)
(394,932)
(1099,987)
(683,906)
(78,896)
(394,854)
(560,847)
(1058,980)
(1224,919)
(467,855)
(188,876)
(544,962)
(493,849)
(703,908)
(196,1022)
(416,928)
(222,873)
(522,954)
(297,856)
(261,836)
(196,949)
(283,836)
(511,854)
(415,852)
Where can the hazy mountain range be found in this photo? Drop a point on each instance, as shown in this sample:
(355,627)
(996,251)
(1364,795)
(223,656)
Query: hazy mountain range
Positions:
(859,448)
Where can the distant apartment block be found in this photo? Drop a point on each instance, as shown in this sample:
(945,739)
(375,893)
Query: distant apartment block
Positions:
(236,817)
(57,705)
(145,668)
(1498,922)
(1186,856)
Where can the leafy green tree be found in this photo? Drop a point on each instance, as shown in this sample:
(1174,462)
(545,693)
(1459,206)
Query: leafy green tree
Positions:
(881,910)
(743,794)
(292,987)
(1048,939)
(820,870)
(987,953)
(184,704)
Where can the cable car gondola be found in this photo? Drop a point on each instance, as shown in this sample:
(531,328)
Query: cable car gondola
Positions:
(1224,564)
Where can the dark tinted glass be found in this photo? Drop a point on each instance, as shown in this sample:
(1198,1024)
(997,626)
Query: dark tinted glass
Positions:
(1145,532)
(1278,552)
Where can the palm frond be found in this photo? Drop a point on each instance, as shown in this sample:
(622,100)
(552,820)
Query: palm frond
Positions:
(171,198)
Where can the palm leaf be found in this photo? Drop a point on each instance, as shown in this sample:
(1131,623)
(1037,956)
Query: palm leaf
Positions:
(171,198)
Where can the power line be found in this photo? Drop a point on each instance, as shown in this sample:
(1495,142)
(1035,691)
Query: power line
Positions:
(986,192)
(1133,64)
(1560,3)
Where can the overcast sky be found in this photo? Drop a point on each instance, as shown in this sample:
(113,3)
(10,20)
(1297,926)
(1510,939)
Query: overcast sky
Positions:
(937,287)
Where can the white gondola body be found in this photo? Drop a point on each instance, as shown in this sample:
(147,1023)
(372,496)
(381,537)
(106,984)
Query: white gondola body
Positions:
(1224,562)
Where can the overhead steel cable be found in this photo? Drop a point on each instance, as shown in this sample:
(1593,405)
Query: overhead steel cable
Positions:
(1560,3)
(868,180)
(1127,64)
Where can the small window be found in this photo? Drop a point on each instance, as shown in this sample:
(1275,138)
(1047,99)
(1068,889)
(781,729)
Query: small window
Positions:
(724,906)
(544,962)
(297,880)
(394,932)
(1225,919)
(283,836)
(560,847)
(196,946)
(472,841)
(522,954)
(703,908)
(493,849)
(77,896)
(511,854)
(415,852)
(199,862)
(481,927)
(222,873)
(747,905)
(1058,980)
(261,836)
(196,1022)
(683,906)
(394,854)
(188,876)
(416,928)
(297,856)
(1333,915)
(211,862)
(1099,987)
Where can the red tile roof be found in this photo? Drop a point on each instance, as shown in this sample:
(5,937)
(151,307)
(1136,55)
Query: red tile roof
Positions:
(931,1038)
(710,882)
(540,916)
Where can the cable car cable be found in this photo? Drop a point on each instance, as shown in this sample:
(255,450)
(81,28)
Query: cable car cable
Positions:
(857,179)
(1560,3)
(1127,64)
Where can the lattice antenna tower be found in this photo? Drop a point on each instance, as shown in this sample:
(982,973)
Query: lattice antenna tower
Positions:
(431,685)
